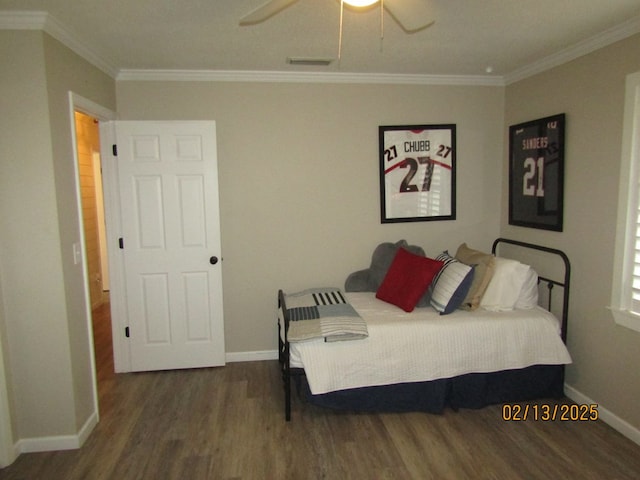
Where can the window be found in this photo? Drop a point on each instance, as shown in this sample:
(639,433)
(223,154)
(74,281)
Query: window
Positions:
(625,296)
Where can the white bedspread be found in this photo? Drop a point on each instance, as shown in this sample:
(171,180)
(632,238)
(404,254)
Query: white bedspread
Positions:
(422,345)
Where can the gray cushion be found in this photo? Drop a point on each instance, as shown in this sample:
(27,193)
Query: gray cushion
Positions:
(369,280)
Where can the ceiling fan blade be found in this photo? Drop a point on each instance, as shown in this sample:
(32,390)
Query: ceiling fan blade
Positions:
(266,11)
(412,15)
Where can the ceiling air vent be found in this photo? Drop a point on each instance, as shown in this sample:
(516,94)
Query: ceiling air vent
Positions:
(321,62)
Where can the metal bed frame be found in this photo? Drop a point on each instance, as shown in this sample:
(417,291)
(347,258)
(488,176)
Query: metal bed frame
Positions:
(550,283)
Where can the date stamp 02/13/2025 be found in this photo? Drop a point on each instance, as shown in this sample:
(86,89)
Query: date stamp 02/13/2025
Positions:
(549,412)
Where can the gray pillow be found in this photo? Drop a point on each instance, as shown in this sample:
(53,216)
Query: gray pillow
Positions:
(369,280)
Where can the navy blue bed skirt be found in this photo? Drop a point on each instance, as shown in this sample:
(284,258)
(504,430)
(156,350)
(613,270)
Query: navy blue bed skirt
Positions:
(474,390)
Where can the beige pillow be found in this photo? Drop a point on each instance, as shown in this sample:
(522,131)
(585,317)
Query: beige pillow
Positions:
(484,268)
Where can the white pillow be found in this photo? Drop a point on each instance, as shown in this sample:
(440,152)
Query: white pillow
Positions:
(505,286)
(528,297)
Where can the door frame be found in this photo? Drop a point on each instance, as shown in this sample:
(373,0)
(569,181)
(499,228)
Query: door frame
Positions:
(78,103)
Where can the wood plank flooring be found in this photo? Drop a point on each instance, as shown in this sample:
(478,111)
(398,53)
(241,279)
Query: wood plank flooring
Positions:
(228,423)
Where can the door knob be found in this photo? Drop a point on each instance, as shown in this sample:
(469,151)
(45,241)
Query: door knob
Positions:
(213,260)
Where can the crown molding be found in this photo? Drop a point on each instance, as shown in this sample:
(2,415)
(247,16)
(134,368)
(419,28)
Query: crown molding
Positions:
(18,20)
(24,20)
(39,20)
(305,77)
(603,39)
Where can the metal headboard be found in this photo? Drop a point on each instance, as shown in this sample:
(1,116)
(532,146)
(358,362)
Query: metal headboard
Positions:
(550,282)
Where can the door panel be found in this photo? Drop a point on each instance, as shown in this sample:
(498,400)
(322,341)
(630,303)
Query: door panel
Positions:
(191,195)
(147,196)
(167,174)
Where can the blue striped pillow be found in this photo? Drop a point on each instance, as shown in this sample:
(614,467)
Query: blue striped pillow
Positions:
(450,287)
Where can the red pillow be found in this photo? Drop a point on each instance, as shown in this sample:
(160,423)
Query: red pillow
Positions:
(407,279)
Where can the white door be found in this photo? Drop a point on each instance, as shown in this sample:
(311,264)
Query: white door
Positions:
(169,213)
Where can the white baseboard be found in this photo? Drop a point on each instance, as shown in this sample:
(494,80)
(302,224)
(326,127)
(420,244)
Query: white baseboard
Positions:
(251,356)
(58,442)
(87,428)
(608,417)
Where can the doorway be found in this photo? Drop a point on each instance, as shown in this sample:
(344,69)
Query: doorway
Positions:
(97,112)
(89,168)
(199,326)
(95,248)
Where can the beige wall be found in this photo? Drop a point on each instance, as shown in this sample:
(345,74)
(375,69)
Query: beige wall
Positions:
(32,278)
(66,72)
(43,317)
(590,90)
(299,179)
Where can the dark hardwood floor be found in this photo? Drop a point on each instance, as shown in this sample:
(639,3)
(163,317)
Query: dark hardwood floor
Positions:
(228,423)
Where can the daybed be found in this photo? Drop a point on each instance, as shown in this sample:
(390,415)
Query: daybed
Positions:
(476,336)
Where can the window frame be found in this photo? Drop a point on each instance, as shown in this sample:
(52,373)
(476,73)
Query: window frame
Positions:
(628,220)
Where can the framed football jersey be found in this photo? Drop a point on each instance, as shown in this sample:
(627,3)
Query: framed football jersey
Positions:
(417,173)
(536,173)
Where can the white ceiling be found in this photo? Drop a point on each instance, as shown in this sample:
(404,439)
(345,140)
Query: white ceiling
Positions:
(511,37)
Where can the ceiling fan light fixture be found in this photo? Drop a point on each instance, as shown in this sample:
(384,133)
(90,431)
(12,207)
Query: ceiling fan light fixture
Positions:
(360,3)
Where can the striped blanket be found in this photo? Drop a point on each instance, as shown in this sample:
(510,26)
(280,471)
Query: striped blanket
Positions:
(323,313)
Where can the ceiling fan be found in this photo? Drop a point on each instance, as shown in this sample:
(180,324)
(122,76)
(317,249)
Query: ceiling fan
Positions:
(411,15)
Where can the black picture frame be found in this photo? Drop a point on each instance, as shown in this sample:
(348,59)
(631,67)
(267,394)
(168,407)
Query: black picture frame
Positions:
(536,173)
(417,173)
